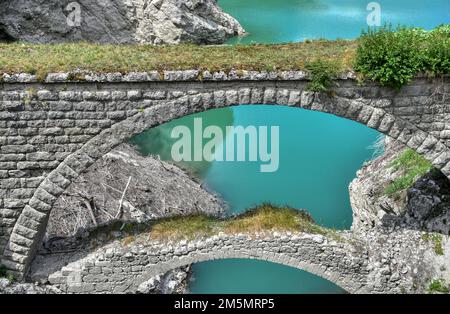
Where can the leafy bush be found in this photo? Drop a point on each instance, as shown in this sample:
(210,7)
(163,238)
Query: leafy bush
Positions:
(394,56)
(437,54)
(322,74)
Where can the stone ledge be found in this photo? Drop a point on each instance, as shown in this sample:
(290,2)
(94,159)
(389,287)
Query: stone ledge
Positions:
(170,76)
(165,76)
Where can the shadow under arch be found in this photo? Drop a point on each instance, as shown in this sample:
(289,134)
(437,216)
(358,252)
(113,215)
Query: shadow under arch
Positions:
(365,111)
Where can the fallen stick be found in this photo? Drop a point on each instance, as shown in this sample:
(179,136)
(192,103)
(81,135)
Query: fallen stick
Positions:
(91,213)
(121,199)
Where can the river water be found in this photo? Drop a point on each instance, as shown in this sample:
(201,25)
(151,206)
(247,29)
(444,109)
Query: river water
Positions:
(319,153)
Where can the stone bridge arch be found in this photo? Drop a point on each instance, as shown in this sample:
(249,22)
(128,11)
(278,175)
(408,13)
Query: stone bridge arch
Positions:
(408,116)
(122,269)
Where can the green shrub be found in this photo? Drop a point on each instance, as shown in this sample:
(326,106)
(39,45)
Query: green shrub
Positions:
(437,54)
(438,285)
(390,56)
(394,56)
(322,74)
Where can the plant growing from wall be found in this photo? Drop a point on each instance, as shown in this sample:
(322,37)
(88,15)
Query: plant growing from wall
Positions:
(438,286)
(4,274)
(412,167)
(322,74)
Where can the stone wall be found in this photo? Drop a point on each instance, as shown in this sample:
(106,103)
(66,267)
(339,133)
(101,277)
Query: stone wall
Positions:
(379,260)
(52,131)
(122,269)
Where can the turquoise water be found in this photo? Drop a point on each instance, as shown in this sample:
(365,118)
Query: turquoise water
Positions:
(319,153)
(274,21)
(319,156)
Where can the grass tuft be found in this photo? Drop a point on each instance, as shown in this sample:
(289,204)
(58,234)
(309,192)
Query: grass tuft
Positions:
(438,286)
(183,227)
(412,166)
(437,242)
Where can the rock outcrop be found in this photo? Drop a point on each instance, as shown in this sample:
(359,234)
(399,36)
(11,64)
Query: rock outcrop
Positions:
(117,21)
(425,206)
(9,287)
(406,233)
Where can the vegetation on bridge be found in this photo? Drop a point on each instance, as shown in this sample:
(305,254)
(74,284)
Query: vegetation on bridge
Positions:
(394,56)
(390,56)
(262,218)
(44,59)
(436,240)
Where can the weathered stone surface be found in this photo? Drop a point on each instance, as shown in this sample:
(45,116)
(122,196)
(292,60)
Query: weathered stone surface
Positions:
(398,227)
(424,206)
(378,262)
(117,21)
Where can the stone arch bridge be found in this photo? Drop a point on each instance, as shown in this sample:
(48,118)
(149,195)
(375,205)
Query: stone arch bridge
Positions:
(118,268)
(52,131)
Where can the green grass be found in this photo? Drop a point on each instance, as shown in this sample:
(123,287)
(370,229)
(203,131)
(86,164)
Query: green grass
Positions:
(4,274)
(262,218)
(412,166)
(436,239)
(438,286)
(44,59)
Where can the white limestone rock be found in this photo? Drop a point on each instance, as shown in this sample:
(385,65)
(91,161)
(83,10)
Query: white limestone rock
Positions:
(117,21)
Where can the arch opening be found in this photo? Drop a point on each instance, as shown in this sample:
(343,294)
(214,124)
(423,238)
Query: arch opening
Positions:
(256,276)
